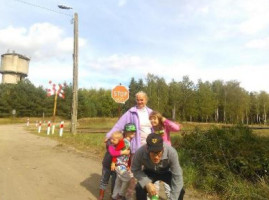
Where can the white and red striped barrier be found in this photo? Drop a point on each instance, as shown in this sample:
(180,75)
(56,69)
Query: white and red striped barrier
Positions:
(61,128)
(48,130)
(39,127)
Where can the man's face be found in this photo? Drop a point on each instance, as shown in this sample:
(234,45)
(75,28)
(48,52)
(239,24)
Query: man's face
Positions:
(141,101)
(156,156)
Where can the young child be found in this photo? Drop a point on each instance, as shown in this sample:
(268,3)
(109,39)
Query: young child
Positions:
(163,126)
(121,164)
(106,170)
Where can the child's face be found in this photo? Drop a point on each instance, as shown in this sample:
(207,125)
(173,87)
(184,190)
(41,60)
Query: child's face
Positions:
(154,120)
(114,139)
(130,135)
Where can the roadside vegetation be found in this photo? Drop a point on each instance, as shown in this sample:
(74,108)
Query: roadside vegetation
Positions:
(210,102)
(219,162)
(217,157)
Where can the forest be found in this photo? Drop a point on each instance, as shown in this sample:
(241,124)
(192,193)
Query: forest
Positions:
(216,101)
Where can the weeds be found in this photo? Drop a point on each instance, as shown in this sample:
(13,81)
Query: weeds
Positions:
(230,162)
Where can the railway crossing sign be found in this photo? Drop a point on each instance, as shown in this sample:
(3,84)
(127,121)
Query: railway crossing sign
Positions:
(120,94)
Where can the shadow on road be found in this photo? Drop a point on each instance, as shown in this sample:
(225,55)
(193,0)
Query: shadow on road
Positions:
(92,184)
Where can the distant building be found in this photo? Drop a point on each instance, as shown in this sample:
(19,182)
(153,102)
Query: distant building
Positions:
(14,67)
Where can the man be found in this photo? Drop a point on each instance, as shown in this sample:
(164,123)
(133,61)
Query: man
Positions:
(157,161)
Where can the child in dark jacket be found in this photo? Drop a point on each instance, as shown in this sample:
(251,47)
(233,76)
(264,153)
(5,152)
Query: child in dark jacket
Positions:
(107,160)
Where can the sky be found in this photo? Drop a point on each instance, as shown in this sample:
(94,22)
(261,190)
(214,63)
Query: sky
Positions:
(120,39)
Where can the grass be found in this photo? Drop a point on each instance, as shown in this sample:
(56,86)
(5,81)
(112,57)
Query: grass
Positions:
(231,186)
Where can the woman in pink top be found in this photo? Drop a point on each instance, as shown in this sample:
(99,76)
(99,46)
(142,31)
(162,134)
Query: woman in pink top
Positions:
(163,126)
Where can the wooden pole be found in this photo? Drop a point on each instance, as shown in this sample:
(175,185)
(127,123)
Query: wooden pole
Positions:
(75,78)
(55,106)
(54,112)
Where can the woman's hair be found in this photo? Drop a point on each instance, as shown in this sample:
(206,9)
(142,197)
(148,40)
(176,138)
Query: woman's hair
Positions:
(142,93)
(159,116)
(117,134)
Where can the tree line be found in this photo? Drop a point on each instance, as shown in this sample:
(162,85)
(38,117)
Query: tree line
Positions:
(216,101)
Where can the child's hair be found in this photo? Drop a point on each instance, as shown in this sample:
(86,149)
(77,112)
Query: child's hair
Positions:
(117,134)
(159,117)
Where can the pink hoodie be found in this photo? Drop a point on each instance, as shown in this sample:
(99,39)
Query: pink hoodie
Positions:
(168,127)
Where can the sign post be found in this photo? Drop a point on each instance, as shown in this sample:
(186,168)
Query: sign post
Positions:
(120,94)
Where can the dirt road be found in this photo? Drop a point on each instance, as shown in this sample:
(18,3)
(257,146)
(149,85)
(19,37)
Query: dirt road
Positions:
(38,168)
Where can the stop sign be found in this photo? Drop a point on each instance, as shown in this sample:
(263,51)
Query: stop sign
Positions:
(120,94)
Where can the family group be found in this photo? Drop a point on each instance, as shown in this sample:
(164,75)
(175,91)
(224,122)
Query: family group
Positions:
(139,156)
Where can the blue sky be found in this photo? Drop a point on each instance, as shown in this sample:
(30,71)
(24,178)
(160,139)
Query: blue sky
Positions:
(120,39)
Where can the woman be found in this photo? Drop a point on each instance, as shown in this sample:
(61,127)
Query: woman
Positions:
(139,115)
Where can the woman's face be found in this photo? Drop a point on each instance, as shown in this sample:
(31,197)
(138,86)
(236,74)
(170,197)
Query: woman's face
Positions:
(154,121)
(141,101)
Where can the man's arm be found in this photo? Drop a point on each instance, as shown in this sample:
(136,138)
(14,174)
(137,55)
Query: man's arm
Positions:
(177,175)
(136,167)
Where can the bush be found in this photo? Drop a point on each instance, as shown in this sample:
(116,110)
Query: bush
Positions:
(222,155)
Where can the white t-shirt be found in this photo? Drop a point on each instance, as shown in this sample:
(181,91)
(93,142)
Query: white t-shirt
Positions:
(145,125)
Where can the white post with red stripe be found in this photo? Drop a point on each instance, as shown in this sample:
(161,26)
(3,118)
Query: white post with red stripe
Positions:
(27,123)
(48,130)
(61,128)
(39,127)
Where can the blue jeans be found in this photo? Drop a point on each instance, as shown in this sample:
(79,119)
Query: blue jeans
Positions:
(106,173)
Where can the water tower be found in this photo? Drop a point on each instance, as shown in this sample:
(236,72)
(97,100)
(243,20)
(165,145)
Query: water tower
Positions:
(14,67)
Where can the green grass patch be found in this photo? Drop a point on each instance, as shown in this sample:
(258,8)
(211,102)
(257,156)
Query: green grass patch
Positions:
(232,163)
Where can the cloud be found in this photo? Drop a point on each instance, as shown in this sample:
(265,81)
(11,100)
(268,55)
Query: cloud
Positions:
(258,43)
(41,41)
(106,72)
(122,3)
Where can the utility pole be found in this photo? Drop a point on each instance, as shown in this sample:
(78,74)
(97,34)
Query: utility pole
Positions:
(74,111)
(75,79)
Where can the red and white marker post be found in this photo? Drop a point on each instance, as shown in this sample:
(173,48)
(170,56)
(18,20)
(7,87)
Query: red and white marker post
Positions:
(39,127)
(61,128)
(55,90)
(48,130)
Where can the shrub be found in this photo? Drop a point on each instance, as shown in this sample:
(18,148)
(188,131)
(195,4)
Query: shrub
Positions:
(221,155)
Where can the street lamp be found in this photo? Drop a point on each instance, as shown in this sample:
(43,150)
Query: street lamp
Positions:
(75,73)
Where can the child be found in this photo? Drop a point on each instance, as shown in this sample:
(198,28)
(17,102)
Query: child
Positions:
(163,126)
(121,164)
(106,170)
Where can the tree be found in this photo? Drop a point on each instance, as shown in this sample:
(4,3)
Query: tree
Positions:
(206,100)
(263,100)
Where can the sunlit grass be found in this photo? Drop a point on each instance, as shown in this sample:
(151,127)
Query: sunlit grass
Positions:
(232,187)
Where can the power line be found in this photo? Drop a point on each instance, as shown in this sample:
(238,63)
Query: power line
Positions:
(42,7)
